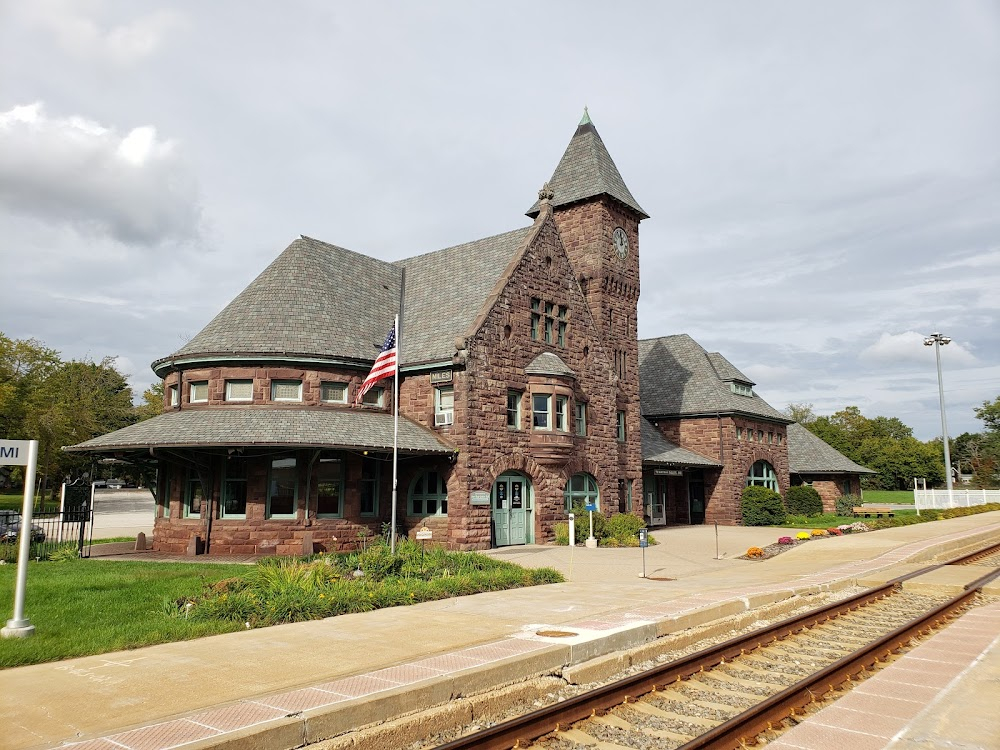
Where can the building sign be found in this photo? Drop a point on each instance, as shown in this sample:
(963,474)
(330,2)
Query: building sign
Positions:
(14,452)
(424,533)
(479,497)
(441,376)
(668,472)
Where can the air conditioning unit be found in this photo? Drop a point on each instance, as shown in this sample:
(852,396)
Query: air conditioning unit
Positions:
(444,418)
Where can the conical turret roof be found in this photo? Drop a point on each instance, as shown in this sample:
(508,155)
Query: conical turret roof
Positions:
(587,170)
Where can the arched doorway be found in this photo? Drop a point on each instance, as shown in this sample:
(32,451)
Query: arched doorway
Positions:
(513,520)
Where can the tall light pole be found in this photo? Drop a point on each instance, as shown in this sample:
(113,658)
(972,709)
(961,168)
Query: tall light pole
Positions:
(938,340)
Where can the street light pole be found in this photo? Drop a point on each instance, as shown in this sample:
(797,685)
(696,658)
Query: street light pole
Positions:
(937,341)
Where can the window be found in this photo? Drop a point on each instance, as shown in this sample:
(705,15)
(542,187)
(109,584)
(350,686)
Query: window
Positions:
(514,410)
(739,433)
(561,331)
(581,489)
(330,488)
(760,436)
(762,474)
(845,486)
(162,477)
(548,322)
(741,389)
(770,438)
(286,390)
(780,438)
(333,393)
(562,413)
(540,403)
(193,495)
(373,397)
(444,405)
(369,486)
(174,395)
(621,427)
(429,495)
(536,318)
(199,392)
(581,419)
(239,390)
(282,488)
(234,489)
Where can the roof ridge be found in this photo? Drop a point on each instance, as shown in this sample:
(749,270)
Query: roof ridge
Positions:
(401,261)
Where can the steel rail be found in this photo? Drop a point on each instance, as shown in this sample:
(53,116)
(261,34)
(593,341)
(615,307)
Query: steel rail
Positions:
(524,729)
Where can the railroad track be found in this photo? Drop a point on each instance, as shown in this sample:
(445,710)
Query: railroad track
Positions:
(726,695)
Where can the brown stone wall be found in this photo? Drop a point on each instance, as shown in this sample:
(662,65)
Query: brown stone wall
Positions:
(716,438)
(831,487)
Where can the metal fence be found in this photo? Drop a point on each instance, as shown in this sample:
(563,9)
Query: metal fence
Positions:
(50,531)
(925,499)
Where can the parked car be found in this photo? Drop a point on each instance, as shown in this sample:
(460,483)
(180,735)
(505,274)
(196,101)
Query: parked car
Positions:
(116,484)
(10,527)
(100,483)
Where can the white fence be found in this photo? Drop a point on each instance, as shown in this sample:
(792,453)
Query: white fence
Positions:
(925,499)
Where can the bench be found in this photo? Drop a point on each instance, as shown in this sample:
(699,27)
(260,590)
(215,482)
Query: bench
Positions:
(873,510)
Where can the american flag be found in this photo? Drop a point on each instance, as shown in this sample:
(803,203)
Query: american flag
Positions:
(384,367)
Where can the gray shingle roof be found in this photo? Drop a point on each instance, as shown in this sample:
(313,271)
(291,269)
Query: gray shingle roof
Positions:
(726,370)
(315,299)
(246,426)
(445,291)
(677,377)
(548,363)
(810,454)
(657,450)
(587,170)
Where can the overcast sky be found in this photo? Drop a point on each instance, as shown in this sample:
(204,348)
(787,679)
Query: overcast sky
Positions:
(823,178)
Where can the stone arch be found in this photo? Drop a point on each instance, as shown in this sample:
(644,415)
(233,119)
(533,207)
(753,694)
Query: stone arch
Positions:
(514,462)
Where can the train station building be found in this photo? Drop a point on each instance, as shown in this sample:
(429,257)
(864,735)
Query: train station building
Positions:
(523,390)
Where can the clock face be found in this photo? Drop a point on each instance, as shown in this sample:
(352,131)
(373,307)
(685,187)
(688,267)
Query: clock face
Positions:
(620,240)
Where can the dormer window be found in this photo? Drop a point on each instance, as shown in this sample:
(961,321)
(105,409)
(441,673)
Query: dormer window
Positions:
(741,389)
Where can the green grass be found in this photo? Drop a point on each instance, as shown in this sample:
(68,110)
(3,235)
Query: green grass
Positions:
(829,520)
(83,607)
(900,497)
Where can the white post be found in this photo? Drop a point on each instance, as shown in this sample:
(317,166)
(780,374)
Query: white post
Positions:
(591,541)
(572,529)
(19,626)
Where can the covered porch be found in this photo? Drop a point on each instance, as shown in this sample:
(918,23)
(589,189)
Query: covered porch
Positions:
(673,481)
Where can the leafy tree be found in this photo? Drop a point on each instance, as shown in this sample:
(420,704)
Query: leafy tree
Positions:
(152,402)
(801,413)
(989,412)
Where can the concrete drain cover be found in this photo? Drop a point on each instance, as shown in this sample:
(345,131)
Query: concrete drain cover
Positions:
(556,633)
(656,578)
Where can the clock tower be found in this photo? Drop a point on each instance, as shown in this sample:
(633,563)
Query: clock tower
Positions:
(598,223)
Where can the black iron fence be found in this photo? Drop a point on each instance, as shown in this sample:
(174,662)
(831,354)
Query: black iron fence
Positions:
(64,532)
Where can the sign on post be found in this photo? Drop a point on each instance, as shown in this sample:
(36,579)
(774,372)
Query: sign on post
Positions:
(21,453)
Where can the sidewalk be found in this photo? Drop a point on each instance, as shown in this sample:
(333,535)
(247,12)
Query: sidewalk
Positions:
(336,672)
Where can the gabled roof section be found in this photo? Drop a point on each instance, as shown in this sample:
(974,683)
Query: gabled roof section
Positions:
(548,363)
(658,451)
(810,454)
(587,170)
(314,299)
(445,290)
(233,426)
(678,378)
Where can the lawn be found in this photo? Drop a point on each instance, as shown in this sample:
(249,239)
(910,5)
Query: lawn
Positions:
(830,520)
(895,497)
(82,607)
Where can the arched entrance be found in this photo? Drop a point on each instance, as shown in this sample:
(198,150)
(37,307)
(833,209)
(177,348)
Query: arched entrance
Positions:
(512,502)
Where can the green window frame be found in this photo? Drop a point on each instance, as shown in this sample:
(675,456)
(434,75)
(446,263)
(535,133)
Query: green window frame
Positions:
(194,496)
(762,474)
(373,397)
(369,486)
(581,489)
(330,487)
(234,489)
(428,495)
(536,317)
(282,488)
(621,432)
(581,418)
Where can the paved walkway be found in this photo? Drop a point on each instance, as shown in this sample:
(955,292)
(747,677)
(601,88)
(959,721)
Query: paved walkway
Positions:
(299,682)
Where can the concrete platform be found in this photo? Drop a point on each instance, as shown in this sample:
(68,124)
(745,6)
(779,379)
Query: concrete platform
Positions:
(293,684)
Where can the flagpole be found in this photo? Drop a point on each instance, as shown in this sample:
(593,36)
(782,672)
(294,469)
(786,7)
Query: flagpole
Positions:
(395,439)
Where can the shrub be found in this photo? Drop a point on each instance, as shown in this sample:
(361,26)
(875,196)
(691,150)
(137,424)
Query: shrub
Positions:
(845,504)
(834,531)
(583,524)
(562,533)
(785,540)
(803,500)
(803,535)
(623,528)
(755,552)
(762,507)
(819,532)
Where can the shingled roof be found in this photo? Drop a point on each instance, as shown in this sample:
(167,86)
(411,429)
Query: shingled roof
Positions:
(445,290)
(587,170)
(658,451)
(809,454)
(298,428)
(677,377)
(548,363)
(315,299)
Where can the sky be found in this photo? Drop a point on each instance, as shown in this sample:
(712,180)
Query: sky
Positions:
(823,179)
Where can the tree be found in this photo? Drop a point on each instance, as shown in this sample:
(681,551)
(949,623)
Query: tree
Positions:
(989,412)
(152,402)
(801,413)
(24,366)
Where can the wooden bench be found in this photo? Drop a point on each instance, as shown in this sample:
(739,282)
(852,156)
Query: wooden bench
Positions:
(873,510)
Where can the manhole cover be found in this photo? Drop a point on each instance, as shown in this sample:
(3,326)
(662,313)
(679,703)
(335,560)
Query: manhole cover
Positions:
(659,578)
(556,633)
